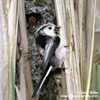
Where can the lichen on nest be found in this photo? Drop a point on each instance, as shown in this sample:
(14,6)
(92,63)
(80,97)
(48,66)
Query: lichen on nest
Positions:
(47,11)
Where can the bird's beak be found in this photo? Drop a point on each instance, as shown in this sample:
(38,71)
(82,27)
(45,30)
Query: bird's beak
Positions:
(57,28)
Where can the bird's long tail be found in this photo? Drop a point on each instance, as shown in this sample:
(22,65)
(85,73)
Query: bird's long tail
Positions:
(47,57)
(44,76)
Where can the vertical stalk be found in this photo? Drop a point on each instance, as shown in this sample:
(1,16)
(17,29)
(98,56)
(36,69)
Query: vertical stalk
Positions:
(96,80)
(91,5)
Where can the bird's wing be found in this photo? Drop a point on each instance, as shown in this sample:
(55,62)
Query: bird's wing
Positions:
(50,50)
(49,54)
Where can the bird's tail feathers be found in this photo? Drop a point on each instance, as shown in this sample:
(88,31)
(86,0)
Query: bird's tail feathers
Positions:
(43,78)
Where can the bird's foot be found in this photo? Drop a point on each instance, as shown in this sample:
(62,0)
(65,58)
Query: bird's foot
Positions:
(66,46)
(62,68)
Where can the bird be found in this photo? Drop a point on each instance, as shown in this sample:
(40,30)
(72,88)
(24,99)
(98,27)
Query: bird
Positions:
(32,19)
(49,44)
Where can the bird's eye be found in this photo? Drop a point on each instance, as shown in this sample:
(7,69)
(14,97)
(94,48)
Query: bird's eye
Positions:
(50,27)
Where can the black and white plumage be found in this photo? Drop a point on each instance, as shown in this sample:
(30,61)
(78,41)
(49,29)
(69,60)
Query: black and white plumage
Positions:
(49,45)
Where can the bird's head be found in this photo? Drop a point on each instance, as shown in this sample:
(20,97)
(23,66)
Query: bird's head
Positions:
(48,30)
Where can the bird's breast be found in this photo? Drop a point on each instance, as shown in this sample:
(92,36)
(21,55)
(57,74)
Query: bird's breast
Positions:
(60,52)
(60,55)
